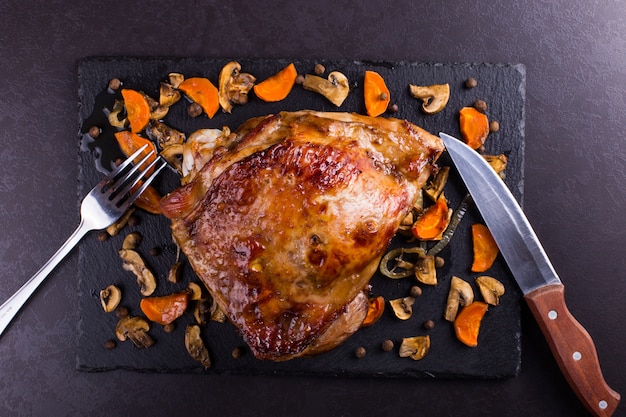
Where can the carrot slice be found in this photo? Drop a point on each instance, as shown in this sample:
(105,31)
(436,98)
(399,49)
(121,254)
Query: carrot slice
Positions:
(278,86)
(431,224)
(203,92)
(137,109)
(129,142)
(474,127)
(485,248)
(467,323)
(375,309)
(164,310)
(376,94)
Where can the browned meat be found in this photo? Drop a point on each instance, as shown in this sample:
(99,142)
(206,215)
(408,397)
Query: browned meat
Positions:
(287,224)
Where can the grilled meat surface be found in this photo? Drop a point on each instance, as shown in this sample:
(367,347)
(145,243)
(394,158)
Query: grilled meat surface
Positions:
(287,221)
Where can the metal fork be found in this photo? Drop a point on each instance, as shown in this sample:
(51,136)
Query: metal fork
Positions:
(102,207)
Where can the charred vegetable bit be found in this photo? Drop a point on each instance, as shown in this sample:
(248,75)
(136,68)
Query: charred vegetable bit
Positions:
(434,188)
(467,323)
(497,162)
(415,348)
(375,309)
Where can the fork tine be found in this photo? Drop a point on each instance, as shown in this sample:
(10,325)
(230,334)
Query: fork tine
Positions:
(131,199)
(125,164)
(125,185)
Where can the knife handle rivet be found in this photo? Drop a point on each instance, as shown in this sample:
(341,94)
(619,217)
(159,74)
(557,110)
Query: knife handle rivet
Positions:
(577,356)
(552,315)
(603,405)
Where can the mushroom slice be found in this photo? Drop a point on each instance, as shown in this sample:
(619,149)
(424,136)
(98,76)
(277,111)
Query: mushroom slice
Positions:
(195,346)
(132,240)
(115,228)
(195,291)
(425,271)
(164,135)
(110,298)
(434,188)
(402,307)
(115,117)
(234,86)
(415,347)
(157,111)
(217,314)
(133,262)
(335,88)
(174,273)
(168,95)
(491,289)
(135,329)
(175,79)
(434,97)
(497,162)
(202,312)
(461,293)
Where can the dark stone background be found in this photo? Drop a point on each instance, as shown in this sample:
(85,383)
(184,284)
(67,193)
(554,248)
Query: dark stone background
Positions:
(575,57)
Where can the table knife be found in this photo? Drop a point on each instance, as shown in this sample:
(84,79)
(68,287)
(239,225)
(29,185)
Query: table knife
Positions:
(570,343)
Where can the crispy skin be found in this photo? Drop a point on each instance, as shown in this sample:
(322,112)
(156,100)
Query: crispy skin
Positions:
(287,225)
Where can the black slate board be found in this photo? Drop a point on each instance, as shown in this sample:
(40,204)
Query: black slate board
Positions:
(499,351)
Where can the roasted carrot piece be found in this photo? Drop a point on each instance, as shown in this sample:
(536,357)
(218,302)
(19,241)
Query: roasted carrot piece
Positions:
(130,142)
(165,309)
(375,309)
(474,127)
(376,94)
(278,86)
(137,109)
(433,221)
(485,248)
(202,91)
(467,323)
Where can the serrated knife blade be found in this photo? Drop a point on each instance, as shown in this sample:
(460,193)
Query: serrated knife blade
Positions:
(570,343)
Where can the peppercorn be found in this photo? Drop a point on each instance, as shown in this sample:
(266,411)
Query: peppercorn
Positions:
(360,352)
(133,220)
(429,324)
(415,291)
(94,131)
(439,262)
(121,312)
(383,96)
(155,251)
(494,126)
(115,84)
(169,328)
(480,105)
(471,82)
(110,344)
(387,345)
(237,352)
(319,69)
(393,108)
(103,236)
(194,110)
(300,79)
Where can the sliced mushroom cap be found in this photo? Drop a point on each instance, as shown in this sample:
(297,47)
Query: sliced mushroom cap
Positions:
(175,79)
(434,188)
(173,275)
(132,240)
(135,329)
(425,270)
(415,347)
(195,291)
(402,307)
(491,289)
(434,97)
(497,162)
(110,298)
(195,346)
(116,227)
(132,261)
(164,135)
(202,312)
(168,95)
(234,86)
(335,88)
(117,117)
(461,293)
(157,111)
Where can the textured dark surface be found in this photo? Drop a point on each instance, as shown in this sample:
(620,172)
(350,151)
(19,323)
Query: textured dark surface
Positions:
(498,354)
(574,173)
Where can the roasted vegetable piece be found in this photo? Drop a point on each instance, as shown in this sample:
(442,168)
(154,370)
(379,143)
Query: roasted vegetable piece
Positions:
(202,91)
(234,86)
(135,329)
(435,187)
(376,94)
(497,162)
(335,88)
(415,347)
(133,262)
(402,307)
(491,289)
(278,86)
(168,95)
(460,293)
(164,310)
(400,268)
(434,97)
(474,127)
(484,247)
(425,271)
(137,109)
(467,323)
(431,224)
(195,346)
(375,308)
(110,298)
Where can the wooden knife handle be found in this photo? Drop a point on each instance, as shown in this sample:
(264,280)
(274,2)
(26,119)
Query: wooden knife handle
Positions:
(573,349)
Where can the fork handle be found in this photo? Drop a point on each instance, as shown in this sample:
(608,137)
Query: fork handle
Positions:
(10,307)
